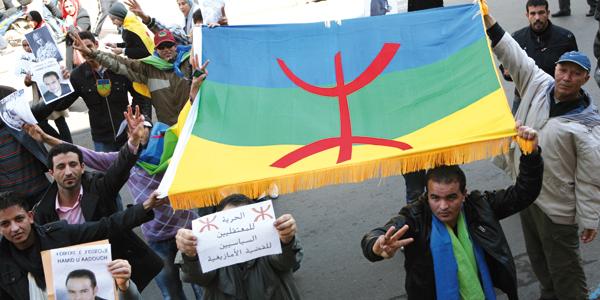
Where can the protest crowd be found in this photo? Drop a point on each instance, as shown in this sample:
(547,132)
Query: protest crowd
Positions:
(55,193)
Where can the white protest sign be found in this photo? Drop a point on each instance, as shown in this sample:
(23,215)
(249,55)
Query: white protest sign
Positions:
(49,79)
(236,235)
(74,269)
(15,110)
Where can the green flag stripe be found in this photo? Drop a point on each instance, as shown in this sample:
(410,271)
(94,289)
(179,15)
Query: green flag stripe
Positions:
(393,105)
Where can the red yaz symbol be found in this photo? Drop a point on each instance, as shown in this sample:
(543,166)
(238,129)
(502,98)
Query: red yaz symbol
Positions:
(262,213)
(342,91)
(208,224)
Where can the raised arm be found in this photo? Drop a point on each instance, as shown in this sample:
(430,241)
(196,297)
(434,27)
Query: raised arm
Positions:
(127,219)
(384,242)
(154,25)
(135,70)
(526,75)
(118,172)
(529,181)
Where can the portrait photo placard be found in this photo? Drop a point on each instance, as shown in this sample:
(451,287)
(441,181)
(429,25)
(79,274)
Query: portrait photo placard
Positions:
(79,272)
(49,79)
(43,44)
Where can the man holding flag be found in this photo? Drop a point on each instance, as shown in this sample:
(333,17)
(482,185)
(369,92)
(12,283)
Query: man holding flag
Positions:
(569,126)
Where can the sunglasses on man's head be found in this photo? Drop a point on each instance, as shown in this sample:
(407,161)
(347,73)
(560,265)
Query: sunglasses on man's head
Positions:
(165,45)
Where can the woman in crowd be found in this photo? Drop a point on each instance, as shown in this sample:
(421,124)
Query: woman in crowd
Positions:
(74,17)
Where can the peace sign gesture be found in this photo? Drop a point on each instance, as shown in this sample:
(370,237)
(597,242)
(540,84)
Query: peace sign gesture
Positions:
(386,245)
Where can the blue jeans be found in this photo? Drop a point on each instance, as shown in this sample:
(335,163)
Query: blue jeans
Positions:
(110,147)
(168,280)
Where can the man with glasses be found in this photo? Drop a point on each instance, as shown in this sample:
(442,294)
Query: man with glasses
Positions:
(166,72)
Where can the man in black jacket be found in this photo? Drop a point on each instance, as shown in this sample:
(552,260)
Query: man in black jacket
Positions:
(23,240)
(79,196)
(451,238)
(542,40)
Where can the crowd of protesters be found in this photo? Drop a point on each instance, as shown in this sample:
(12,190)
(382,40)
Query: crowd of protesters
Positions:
(452,240)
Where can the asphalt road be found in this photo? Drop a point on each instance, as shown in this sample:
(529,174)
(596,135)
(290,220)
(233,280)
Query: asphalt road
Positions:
(332,220)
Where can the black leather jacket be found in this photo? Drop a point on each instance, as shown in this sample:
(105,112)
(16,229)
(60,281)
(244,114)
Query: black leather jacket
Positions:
(14,284)
(98,201)
(483,212)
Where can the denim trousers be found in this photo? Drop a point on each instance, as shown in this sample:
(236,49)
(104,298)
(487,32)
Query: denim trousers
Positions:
(168,280)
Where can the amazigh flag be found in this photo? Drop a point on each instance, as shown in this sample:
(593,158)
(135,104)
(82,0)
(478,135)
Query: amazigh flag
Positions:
(308,105)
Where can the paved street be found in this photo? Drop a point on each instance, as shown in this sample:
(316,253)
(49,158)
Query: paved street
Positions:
(332,220)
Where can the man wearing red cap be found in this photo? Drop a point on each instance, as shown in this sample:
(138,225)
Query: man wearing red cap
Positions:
(166,73)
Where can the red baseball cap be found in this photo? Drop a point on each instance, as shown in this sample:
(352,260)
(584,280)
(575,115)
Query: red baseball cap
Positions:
(163,36)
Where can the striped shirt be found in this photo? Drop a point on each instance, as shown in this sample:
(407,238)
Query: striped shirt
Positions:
(20,171)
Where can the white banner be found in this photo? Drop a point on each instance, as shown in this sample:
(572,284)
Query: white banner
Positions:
(236,235)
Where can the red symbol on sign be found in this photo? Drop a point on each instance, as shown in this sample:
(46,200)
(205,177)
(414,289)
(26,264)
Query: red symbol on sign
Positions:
(208,224)
(262,213)
(342,91)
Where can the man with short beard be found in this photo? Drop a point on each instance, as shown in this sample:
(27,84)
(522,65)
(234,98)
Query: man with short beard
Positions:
(79,196)
(542,40)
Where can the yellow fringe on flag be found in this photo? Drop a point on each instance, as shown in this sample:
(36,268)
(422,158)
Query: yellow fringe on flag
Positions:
(347,173)
(525,145)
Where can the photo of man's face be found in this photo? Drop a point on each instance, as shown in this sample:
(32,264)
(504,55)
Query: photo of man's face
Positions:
(81,288)
(52,83)
(38,39)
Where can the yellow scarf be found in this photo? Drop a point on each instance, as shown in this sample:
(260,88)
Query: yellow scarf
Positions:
(133,24)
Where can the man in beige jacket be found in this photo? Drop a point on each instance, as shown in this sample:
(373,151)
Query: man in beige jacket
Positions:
(569,132)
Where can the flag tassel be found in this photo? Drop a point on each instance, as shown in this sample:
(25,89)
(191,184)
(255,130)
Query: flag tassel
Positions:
(348,173)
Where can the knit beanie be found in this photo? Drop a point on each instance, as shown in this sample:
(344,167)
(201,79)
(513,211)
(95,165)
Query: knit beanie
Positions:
(118,10)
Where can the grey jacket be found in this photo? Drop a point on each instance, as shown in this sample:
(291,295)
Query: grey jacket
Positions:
(570,191)
(268,277)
